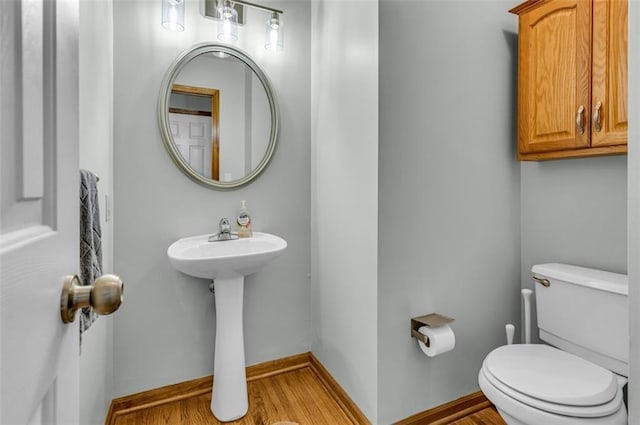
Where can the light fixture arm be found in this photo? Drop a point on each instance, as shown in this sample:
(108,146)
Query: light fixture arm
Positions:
(258,6)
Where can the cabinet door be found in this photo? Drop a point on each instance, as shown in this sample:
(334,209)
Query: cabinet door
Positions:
(555,76)
(609,90)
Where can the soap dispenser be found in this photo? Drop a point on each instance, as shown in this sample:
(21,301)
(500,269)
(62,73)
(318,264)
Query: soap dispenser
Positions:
(244,222)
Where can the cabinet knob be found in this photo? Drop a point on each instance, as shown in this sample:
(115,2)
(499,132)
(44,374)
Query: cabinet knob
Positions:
(579,125)
(596,117)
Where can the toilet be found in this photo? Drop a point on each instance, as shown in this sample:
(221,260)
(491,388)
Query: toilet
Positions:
(578,376)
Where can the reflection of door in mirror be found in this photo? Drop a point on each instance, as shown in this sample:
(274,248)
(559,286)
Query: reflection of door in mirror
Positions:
(194,117)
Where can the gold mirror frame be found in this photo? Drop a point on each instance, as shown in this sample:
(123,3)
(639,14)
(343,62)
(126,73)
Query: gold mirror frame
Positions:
(163,107)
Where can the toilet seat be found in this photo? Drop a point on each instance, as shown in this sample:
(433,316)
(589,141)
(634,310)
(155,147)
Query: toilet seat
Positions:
(515,412)
(596,411)
(552,380)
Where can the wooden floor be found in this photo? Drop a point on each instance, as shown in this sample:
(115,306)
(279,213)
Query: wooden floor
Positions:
(487,416)
(292,398)
(295,397)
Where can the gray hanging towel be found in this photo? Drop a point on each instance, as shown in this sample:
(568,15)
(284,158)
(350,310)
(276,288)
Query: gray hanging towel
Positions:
(90,239)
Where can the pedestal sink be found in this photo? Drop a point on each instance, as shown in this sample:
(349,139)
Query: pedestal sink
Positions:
(227,263)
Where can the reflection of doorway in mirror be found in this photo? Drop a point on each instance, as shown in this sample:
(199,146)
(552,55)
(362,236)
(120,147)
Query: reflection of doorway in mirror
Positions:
(192,136)
(194,117)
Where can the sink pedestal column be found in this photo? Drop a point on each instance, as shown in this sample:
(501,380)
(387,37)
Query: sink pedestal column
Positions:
(229,399)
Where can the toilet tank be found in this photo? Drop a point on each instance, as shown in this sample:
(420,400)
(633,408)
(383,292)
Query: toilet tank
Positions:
(585,312)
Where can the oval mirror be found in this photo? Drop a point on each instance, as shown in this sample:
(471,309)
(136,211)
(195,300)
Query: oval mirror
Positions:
(218,116)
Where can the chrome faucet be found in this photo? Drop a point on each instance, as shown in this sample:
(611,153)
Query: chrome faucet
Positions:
(224,232)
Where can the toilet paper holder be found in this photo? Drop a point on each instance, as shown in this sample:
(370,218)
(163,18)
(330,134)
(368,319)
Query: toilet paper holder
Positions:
(432,320)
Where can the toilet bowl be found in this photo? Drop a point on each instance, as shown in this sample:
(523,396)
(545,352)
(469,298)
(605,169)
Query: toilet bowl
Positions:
(535,384)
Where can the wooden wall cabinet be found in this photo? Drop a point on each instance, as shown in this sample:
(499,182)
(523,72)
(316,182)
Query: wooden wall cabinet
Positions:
(572,78)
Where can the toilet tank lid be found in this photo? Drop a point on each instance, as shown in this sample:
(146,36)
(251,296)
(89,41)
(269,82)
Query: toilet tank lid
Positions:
(592,278)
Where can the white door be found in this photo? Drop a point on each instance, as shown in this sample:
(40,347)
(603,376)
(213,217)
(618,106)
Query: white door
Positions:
(39,210)
(192,136)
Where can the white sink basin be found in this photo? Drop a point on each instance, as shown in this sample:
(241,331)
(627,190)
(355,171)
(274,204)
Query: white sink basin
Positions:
(198,257)
(227,263)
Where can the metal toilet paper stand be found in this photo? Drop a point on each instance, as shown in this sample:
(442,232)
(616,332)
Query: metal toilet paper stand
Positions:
(432,320)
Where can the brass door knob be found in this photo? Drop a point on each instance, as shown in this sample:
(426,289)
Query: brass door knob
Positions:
(104,296)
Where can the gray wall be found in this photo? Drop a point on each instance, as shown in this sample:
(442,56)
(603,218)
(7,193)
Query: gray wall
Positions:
(344,195)
(449,194)
(165,328)
(575,212)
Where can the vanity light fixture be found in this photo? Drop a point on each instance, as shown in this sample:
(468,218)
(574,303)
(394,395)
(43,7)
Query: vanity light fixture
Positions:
(230,13)
(228,23)
(274,37)
(173,15)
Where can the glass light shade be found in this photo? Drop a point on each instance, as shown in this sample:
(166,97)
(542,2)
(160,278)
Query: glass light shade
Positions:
(173,15)
(274,36)
(228,23)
